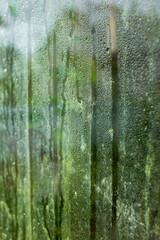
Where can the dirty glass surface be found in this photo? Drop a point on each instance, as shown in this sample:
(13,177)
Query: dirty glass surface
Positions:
(79,120)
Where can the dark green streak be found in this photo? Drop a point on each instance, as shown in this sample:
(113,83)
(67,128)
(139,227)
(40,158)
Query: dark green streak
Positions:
(55,101)
(30,120)
(13,107)
(93,145)
(51,104)
(115,154)
(57,174)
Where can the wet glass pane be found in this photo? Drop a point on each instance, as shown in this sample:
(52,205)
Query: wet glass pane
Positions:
(79,120)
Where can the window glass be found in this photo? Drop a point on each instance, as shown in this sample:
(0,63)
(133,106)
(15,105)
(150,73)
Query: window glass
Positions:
(79,119)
